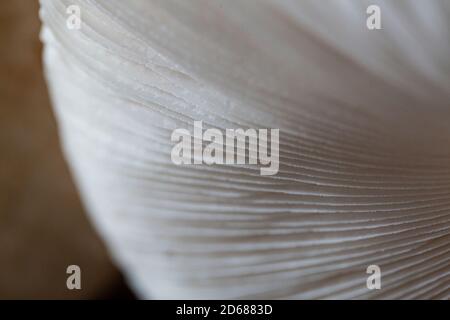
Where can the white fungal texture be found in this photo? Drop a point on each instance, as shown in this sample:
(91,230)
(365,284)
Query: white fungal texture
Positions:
(364,119)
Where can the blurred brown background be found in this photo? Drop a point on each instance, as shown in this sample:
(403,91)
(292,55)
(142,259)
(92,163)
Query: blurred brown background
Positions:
(43,227)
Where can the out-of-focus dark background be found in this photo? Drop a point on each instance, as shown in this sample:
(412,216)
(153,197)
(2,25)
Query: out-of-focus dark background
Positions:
(43,227)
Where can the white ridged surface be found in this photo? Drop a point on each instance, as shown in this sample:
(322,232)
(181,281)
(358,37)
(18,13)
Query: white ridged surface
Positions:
(364,119)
